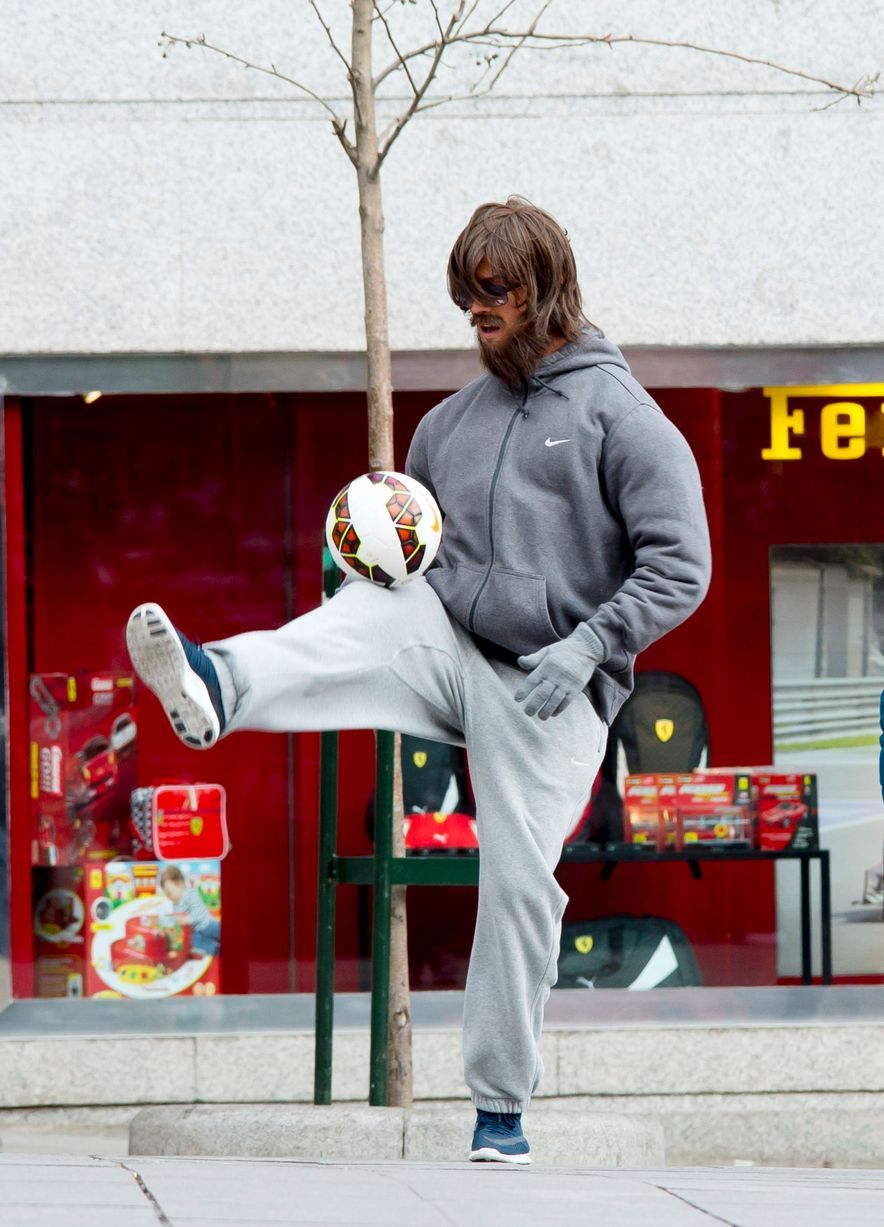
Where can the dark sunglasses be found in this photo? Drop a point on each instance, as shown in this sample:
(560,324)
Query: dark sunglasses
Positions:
(494,294)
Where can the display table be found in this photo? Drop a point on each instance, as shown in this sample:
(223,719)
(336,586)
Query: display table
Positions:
(461,868)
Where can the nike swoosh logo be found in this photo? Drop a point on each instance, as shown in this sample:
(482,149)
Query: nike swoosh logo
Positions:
(555,442)
(577,763)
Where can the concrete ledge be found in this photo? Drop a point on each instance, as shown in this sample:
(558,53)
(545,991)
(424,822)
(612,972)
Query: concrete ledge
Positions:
(436,1134)
(557,1135)
(813,1129)
(95,1070)
(270,1131)
(275,1067)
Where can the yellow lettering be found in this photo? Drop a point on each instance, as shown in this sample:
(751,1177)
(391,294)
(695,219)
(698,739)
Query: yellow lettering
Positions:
(843,430)
(782,422)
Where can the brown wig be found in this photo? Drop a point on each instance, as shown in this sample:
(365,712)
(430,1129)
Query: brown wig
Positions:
(528,250)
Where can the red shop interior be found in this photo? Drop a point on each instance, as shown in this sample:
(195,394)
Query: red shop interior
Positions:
(215,505)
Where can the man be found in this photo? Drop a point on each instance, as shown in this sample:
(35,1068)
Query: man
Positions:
(574,536)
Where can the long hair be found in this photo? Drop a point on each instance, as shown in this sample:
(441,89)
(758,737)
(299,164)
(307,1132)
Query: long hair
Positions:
(526,248)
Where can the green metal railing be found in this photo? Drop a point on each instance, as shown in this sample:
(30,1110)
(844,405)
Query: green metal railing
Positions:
(382,872)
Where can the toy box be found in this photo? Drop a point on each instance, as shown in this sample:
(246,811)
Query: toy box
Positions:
(649,818)
(60,933)
(83,740)
(137,929)
(713,810)
(784,808)
(180,821)
(154,929)
(669,811)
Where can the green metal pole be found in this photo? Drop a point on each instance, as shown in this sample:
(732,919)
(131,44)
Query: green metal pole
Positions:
(325,919)
(380,944)
(325,896)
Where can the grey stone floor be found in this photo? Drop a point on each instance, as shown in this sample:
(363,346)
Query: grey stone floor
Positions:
(36,1190)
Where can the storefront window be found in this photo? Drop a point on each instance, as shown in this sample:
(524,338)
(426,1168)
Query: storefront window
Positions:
(827,628)
(5,977)
(214,505)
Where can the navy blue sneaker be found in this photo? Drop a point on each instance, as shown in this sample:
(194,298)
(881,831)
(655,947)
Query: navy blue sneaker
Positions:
(179,673)
(498,1138)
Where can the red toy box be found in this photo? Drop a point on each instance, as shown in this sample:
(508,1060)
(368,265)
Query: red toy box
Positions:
(667,811)
(649,819)
(713,810)
(784,808)
(83,746)
(60,933)
(180,822)
(137,929)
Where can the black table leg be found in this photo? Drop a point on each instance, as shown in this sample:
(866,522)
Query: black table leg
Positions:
(826,915)
(805,921)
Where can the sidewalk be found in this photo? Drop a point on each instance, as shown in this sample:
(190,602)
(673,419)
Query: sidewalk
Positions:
(91,1192)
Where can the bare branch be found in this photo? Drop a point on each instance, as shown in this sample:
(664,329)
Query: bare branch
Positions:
(538,42)
(434,48)
(390,135)
(491,35)
(348,67)
(865,89)
(334,46)
(338,125)
(403,64)
(454,32)
(520,43)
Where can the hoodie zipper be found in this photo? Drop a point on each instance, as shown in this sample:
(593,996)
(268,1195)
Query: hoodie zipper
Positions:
(517,413)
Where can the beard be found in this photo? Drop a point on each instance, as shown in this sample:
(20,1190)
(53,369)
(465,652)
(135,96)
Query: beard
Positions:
(514,362)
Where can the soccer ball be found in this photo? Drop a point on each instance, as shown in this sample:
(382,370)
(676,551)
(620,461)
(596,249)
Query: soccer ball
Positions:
(384,527)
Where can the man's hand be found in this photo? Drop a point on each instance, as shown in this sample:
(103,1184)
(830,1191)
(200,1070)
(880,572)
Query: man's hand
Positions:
(558,673)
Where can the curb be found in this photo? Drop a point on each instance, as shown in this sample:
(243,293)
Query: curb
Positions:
(425,1134)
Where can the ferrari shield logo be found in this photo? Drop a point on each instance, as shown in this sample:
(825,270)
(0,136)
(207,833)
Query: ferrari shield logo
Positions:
(664,729)
(419,758)
(584,943)
(196,826)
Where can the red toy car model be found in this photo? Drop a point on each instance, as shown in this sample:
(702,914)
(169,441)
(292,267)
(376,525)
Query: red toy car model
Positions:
(777,825)
(124,734)
(160,942)
(98,769)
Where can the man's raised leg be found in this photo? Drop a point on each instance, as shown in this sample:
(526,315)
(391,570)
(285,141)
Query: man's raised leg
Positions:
(369,658)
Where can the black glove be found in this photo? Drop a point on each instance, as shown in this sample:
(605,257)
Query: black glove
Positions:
(559,672)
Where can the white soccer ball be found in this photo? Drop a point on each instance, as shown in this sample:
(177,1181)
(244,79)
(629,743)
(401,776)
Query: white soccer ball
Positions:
(384,527)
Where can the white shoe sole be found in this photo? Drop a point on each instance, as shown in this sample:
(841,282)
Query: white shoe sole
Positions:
(160,662)
(487,1154)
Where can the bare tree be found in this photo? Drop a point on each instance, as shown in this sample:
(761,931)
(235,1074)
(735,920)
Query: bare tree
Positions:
(479,27)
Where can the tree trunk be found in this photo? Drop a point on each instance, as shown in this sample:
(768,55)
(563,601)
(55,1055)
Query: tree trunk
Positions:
(371,220)
(399,1069)
(380,456)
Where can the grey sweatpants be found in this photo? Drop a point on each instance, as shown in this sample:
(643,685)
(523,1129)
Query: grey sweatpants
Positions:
(373,658)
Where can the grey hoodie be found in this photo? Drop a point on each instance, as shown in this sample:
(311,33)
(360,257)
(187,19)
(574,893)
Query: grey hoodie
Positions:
(575,501)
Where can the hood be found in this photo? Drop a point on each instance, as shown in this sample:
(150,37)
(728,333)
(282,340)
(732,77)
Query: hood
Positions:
(592,348)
